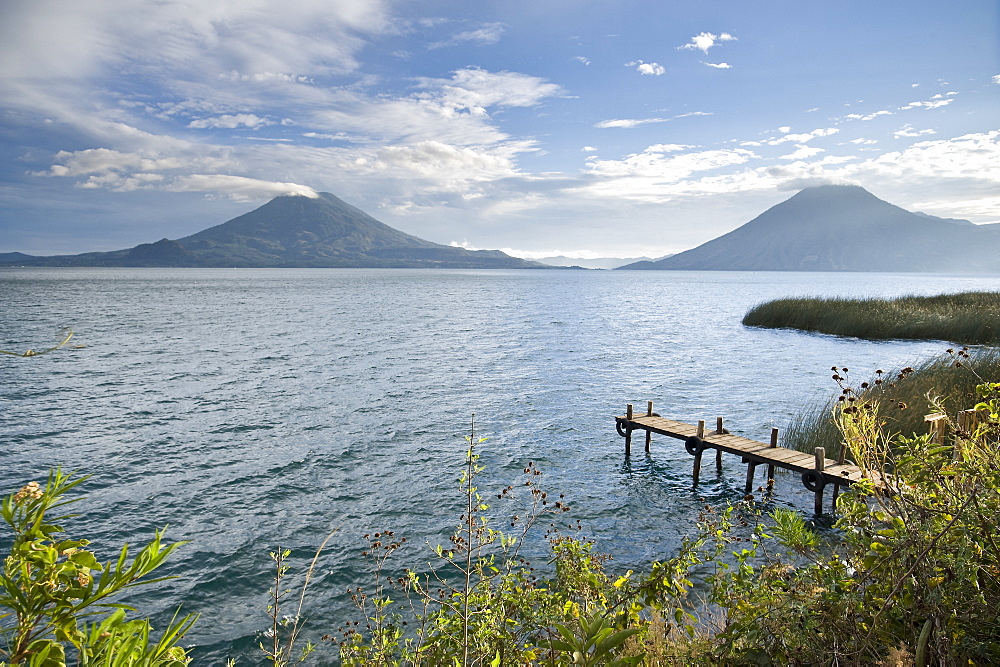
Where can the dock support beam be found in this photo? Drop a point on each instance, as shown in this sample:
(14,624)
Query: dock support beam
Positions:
(770,468)
(697,456)
(751,469)
(628,430)
(718,452)
(820,453)
(649,434)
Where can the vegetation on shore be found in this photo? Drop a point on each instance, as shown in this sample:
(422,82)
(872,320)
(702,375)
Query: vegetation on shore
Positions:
(971,318)
(55,596)
(899,397)
(909,574)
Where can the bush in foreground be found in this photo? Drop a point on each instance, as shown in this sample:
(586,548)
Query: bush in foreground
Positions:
(909,575)
(55,595)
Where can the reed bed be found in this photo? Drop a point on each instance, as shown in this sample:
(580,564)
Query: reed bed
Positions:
(902,398)
(970,318)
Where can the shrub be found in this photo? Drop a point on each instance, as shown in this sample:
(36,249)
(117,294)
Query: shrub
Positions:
(55,594)
(914,569)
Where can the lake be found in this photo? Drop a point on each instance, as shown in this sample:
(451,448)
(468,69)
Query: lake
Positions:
(252,408)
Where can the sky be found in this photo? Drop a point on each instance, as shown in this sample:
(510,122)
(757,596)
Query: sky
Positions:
(586,128)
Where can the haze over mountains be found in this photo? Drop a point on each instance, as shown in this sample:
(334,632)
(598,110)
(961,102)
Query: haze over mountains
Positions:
(824,228)
(292,231)
(844,228)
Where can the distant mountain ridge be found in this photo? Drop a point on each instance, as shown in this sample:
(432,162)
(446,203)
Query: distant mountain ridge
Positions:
(291,231)
(843,228)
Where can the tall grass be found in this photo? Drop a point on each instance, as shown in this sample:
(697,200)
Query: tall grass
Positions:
(972,318)
(902,398)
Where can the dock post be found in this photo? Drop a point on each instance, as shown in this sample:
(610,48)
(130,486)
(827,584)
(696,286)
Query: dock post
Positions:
(770,468)
(718,452)
(751,469)
(697,457)
(628,430)
(937,423)
(968,422)
(820,453)
(649,434)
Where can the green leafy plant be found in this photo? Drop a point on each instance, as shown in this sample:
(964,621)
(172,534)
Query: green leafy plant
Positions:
(284,631)
(482,602)
(55,594)
(911,568)
(592,641)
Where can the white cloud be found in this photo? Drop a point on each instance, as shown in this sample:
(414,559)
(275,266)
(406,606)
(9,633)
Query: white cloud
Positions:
(635,122)
(654,69)
(589,149)
(488,33)
(931,104)
(582,60)
(706,40)
(803,152)
(718,65)
(871,116)
(785,129)
(629,122)
(908,131)
(230,121)
(863,142)
(113,170)
(441,161)
(796,138)
(475,89)
(339,136)
(262,77)
(104,160)
(643,173)
(238,187)
(971,156)
(996,79)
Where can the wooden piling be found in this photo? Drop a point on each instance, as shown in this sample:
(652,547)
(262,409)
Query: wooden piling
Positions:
(751,469)
(628,432)
(967,423)
(697,457)
(820,453)
(936,424)
(770,467)
(649,434)
(718,452)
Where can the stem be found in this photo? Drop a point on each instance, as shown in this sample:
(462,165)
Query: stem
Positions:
(470,470)
(275,608)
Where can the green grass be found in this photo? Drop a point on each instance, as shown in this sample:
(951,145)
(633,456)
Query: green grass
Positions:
(971,318)
(903,401)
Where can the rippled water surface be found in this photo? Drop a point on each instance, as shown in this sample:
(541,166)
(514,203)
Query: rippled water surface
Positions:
(251,408)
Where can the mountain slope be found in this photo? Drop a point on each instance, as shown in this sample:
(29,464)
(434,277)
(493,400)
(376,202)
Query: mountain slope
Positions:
(842,228)
(294,231)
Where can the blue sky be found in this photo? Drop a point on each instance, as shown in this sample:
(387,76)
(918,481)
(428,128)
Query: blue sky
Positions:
(590,128)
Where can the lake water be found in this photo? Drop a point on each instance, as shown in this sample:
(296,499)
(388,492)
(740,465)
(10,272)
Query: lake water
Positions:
(251,408)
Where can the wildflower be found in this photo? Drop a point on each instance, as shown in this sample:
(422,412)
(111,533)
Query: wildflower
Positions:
(31,491)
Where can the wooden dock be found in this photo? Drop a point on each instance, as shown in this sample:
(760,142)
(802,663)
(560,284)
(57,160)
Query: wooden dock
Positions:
(817,471)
